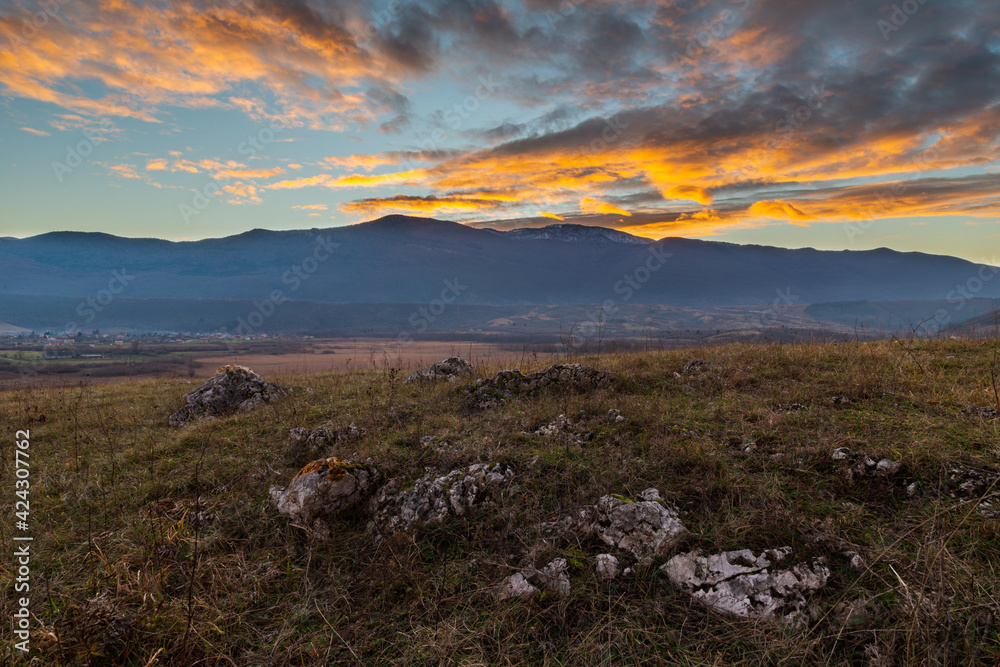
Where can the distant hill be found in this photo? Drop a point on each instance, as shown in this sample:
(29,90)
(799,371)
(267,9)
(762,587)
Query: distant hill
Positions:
(400,259)
(10,329)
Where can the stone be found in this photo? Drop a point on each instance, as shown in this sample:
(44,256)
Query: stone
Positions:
(434,498)
(741,584)
(451,369)
(643,528)
(606,567)
(979,411)
(615,415)
(856,466)
(695,365)
(325,488)
(516,586)
(887,468)
(564,429)
(232,389)
(552,578)
(490,392)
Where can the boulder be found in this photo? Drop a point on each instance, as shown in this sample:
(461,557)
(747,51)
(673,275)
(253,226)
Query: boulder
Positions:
(740,584)
(451,369)
(433,499)
(643,528)
(232,389)
(325,488)
(491,392)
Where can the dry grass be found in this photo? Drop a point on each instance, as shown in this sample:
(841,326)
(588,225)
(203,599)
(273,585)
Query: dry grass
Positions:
(159,546)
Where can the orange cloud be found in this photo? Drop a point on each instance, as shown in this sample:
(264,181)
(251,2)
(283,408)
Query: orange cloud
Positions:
(588,205)
(690,192)
(156,165)
(430,205)
(779,209)
(310,207)
(248,173)
(193,54)
(366,162)
(297,183)
(551,215)
(40,133)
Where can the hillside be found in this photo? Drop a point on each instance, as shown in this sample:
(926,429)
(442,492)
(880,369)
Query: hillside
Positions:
(160,545)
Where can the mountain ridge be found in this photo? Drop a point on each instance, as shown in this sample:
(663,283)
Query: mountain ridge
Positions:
(408,259)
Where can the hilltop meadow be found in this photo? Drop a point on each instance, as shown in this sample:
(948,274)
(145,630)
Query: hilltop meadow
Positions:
(156,545)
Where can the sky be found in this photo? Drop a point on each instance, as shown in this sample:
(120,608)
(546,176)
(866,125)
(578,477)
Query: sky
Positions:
(834,125)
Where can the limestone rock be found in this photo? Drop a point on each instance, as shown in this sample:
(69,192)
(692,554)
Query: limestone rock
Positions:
(516,586)
(643,528)
(564,429)
(552,578)
(450,369)
(433,498)
(606,567)
(232,389)
(738,583)
(695,365)
(857,466)
(491,392)
(979,411)
(324,488)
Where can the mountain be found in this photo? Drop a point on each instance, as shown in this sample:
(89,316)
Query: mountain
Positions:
(400,259)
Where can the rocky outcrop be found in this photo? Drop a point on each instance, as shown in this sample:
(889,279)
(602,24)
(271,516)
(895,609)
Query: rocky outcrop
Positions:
(451,369)
(856,466)
(326,488)
(695,365)
(232,389)
(303,442)
(433,498)
(491,392)
(980,411)
(740,584)
(644,528)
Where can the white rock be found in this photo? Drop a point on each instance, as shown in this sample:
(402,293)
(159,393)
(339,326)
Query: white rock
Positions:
(841,454)
(516,586)
(450,369)
(738,583)
(643,528)
(433,498)
(323,488)
(606,567)
(887,468)
(552,578)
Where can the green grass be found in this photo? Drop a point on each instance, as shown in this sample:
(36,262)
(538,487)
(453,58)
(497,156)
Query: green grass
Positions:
(123,571)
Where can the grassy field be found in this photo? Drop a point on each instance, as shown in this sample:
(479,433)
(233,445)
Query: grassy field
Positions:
(155,545)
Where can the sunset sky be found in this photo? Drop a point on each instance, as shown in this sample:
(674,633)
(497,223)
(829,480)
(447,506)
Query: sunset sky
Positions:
(836,125)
